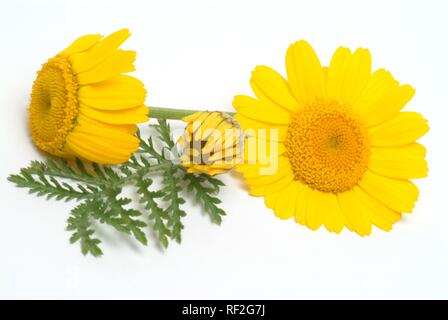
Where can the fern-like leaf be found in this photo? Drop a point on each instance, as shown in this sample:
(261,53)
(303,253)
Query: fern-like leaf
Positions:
(79,223)
(97,188)
(205,188)
(51,187)
(157,215)
(126,218)
(164,131)
(171,191)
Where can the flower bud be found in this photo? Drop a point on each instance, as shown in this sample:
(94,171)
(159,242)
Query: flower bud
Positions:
(212,143)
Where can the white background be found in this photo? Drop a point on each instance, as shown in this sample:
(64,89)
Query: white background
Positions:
(199,54)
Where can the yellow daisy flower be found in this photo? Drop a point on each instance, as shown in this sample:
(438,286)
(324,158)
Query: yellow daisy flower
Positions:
(82,104)
(344,149)
(212,143)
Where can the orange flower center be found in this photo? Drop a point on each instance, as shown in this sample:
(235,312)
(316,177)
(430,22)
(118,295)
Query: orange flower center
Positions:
(327,147)
(54,105)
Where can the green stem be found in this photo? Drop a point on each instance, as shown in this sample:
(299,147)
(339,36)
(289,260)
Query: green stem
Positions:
(173,114)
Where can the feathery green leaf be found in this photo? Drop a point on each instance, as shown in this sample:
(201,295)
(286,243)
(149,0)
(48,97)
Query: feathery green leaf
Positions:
(157,215)
(98,190)
(79,223)
(204,188)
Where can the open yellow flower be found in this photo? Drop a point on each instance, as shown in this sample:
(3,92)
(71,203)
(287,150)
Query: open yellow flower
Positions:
(212,143)
(82,104)
(346,152)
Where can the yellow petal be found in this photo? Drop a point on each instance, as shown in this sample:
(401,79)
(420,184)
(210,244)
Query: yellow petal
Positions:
(388,106)
(302,204)
(119,62)
(267,84)
(325,73)
(372,211)
(193,117)
(401,130)
(254,128)
(355,212)
(315,208)
(252,166)
(314,213)
(356,76)
(336,72)
(229,136)
(127,145)
(119,92)
(398,195)
(305,74)
(125,116)
(87,60)
(252,170)
(285,205)
(101,142)
(208,167)
(261,110)
(81,44)
(99,150)
(379,214)
(372,217)
(379,84)
(208,126)
(255,179)
(405,162)
(263,152)
(197,122)
(245,167)
(271,199)
(204,169)
(118,87)
(95,127)
(332,215)
(271,188)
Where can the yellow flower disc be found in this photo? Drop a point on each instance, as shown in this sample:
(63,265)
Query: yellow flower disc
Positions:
(327,147)
(54,105)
